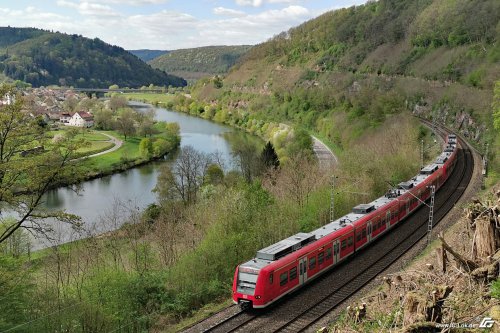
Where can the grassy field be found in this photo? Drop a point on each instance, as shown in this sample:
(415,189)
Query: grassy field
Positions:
(97,142)
(152,98)
(127,156)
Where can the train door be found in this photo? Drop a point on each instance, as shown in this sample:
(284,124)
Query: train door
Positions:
(336,250)
(407,206)
(302,270)
(369,231)
(388,219)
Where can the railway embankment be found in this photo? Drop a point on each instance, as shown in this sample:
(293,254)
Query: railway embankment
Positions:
(321,302)
(426,281)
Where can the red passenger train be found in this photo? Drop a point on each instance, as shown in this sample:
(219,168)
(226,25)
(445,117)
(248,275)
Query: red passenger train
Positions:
(287,265)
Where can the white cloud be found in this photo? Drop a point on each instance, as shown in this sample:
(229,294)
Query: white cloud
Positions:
(162,22)
(32,17)
(227,12)
(258,3)
(133,2)
(166,29)
(88,8)
(255,3)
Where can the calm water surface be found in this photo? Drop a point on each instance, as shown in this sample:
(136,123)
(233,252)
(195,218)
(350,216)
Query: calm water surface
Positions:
(133,188)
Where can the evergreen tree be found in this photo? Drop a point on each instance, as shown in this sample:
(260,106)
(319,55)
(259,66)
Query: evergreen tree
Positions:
(269,157)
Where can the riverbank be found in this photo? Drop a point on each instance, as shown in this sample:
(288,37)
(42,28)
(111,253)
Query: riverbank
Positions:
(282,136)
(121,154)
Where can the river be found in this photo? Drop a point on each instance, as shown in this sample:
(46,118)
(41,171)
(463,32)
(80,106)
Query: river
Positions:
(132,188)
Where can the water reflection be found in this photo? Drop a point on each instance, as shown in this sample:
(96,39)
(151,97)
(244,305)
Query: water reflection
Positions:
(134,187)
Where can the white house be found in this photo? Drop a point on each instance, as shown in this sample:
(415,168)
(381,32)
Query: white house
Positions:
(65,117)
(81,119)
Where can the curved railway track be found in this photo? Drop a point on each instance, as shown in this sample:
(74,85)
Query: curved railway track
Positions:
(305,307)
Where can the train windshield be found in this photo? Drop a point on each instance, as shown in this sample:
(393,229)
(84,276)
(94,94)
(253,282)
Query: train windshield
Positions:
(247,280)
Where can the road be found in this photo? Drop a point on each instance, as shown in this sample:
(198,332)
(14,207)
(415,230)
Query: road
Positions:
(326,157)
(117,144)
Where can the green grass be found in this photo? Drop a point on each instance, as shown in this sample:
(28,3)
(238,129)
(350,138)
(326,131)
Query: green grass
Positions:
(97,142)
(129,150)
(126,156)
(152,98)
(205,312)
(95,147)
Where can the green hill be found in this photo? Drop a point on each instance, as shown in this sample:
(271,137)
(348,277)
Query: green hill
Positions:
(147,55)
(349,71)
(44,58)
(202,61)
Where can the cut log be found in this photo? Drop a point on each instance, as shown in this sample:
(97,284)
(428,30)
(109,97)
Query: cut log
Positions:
(484,238)
(425,307)
(486,273)
(467,264)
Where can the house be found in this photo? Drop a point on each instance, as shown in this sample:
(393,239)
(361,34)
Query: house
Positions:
(65,117)
(82,119)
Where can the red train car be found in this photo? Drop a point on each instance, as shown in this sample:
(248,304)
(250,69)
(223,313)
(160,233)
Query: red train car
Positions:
(288,264)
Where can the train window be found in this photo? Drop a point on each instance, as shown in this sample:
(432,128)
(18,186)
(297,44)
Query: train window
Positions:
(358,237)
(271,278)
(293,273)
(312,263)
(283,278)
(344,244)
(321,258)
(364,233)
(349,241)
(328,253)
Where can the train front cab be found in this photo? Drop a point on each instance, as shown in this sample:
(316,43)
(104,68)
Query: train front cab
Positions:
(247,287)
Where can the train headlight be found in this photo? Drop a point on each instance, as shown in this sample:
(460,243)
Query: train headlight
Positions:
(257,297)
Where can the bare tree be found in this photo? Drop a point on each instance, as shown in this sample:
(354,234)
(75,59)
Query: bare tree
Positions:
(184,178)
(297,179)
(247,159)
(168,231)
(125,123)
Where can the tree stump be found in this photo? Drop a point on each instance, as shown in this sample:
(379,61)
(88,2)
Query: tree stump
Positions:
(425,307)
(484,237)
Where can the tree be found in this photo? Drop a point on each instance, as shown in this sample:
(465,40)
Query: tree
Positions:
(125,124)
(104,119)
(146,121)
(184,178)
(173,128)
(24,180)
(146,147)
(215,174)
(117,102)
(269,157)
(301,143)
(247,159)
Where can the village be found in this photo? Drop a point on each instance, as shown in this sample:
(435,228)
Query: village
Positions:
(64,107)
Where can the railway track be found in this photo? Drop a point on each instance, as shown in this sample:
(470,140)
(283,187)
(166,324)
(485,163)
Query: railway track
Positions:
(305,307)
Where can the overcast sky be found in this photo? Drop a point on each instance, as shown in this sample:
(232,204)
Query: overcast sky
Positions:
(167,24)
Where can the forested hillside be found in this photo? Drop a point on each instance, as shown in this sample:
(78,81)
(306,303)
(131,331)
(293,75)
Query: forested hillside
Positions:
(349,70)
(43,58)
(147,55)
(202,61)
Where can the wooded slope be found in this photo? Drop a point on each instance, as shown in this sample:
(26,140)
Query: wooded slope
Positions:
(201,61)
(44,58)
